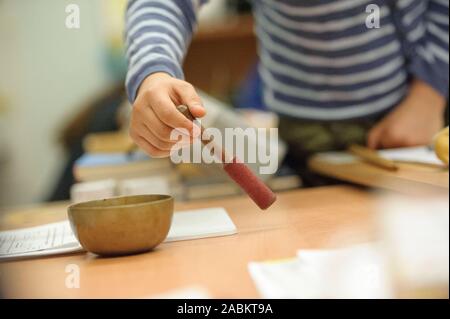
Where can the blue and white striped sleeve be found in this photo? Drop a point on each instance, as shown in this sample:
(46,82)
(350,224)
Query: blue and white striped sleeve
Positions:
(430,63)
(157,35)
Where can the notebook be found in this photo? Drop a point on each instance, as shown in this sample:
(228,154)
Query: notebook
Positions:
(58,238)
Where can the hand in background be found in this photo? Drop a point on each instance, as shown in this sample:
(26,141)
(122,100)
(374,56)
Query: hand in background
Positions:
(154,113)
(414,122)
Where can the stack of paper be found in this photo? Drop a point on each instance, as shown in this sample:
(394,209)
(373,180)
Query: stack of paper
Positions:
(58,238)
(354,272)
(95,190)
(83,192)
(118,166)
(145,185)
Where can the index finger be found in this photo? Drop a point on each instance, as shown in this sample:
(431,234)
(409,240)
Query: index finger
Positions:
(167,112)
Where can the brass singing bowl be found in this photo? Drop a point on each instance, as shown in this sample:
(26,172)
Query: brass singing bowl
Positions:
(122,225)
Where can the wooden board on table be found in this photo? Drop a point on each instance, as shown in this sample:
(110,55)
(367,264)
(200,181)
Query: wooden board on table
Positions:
(411,178)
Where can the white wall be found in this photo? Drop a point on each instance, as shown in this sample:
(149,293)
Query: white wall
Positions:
(46,71)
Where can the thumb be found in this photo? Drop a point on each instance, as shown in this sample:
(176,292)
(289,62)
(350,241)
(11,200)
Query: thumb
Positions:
(189,97)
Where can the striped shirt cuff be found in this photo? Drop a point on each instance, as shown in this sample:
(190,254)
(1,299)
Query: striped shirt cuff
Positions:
(437,78)
(135,80)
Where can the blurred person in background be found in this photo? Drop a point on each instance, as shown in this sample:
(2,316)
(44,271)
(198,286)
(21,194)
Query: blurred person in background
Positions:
(333,79)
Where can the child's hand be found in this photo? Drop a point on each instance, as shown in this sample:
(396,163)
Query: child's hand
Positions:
(154,114)
(414,122)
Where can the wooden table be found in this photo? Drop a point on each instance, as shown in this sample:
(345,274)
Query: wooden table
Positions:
(312,218)
(411,178)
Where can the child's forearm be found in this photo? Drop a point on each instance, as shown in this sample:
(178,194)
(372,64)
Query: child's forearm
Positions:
(431,98)
(157,36)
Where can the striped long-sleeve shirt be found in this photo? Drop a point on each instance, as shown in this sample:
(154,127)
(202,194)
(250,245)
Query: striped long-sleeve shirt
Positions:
(318,58)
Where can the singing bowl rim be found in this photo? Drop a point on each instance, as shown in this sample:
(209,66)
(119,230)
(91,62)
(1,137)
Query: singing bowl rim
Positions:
(104,204)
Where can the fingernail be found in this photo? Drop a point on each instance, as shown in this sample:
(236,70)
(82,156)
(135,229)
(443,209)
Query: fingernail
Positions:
(197,107)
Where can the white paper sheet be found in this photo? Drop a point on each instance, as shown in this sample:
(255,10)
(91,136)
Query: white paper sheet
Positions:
(420,154)
(285,279)
(50,236)
(201,223)
(58,238)
(354,272)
